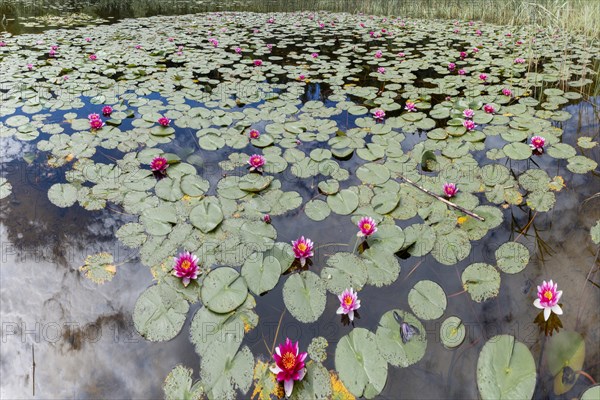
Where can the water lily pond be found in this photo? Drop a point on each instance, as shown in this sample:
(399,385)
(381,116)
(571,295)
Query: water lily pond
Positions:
(311,205)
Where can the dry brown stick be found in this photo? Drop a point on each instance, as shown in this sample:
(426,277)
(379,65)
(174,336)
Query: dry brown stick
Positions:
(33,367)
(443,200)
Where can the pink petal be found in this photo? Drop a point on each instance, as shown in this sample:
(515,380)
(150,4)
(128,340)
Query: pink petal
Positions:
(289,386)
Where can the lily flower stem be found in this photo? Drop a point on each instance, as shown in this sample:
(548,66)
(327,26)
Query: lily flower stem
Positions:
(588,376)
(355,245)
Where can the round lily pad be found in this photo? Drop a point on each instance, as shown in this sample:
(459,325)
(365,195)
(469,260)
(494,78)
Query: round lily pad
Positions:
(317,210)
(395,350)
(482,281)
(360,365)
(452,332)
(159,313)
(304,296)
(427,300)
(344,202)
(505,370)
(512,257)
(261,273)
(224,290)
(62,194)
(207,215)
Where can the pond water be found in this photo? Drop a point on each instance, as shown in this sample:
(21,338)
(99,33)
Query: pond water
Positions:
(65,336)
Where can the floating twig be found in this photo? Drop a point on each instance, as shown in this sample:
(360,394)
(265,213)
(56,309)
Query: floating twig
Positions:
(33,370)
(443,200)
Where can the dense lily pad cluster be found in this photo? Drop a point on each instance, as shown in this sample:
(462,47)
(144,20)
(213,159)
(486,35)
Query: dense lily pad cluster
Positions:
(245,111)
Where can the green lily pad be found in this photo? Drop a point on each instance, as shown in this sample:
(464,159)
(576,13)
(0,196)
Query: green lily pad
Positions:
(178,385)
(390,343)
(344,270)
(517,151)
(224,370)
(62,194)
(317,210)
(261,274)
(383,267)
(159,220)
(207,215)
(360,365)
(374,174)
(388,238)
(304,296)
(581,165)
(565,349)
(315,384)
(427,300)
(5,188)
(591,393)
(505,370)
(224,290)
(159,313)
(482,281)
(452,332)
(344,202)
(99,268)
(512,257)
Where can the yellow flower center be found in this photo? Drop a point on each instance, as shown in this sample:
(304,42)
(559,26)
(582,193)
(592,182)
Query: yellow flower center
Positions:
(548,294)
(366,226)
(348,300)
(186,264)
(288,360)
(302,246)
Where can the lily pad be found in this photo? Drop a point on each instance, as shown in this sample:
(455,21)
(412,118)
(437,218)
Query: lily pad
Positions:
(344,202)
(361,366)
(261,273)
(452,332)
(512,257)
(62,194)
(505,370)
(482,281)
(565,349)
(159,313)
(207,215)
(427,300)
(99,268)
(224,290)
(389,340)
(344,270)
(304,296)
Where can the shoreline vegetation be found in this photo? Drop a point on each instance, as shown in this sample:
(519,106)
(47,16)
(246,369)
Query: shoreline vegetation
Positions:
(577,16)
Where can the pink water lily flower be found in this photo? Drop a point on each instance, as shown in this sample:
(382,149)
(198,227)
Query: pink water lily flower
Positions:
(96,123)
(303,249)
(186,267)
(367,226)
(301,77)
(378,54)
(537,142)
(289,365)
(348,303)
(159,164)
(138,46)
(256,162)
(52,53)
(2,44)
(470,125)
(171,39)
(93,57)
(483,77)
(401,54)
(451,66)
(468,113)
(107,110)
(267,219)
(54,47)
(164,121)
(238,50)
(379,114)
(93,116)
(410,106)
(381,70)
(257,63)
(254,134)
(463,55)
(478,32)
(314,55)
(269,46)
(88,39)
(450,189)
(507,92)
(462,72)
(519,61)
(489,108)
(548,298)
(30,66)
